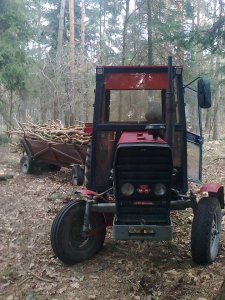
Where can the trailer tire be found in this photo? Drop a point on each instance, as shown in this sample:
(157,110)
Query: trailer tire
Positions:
(26,165)
(67,242)
(206,227)
(87,177)
(77,175)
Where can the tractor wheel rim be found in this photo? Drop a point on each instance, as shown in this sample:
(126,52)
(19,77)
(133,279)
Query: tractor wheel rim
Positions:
(214,236)
(25,167)
(78,240)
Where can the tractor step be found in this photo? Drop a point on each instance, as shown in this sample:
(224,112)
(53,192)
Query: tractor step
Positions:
(142,232)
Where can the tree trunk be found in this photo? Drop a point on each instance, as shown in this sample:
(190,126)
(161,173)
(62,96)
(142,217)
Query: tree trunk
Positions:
(125,23)
(207,120)
(217,100)
(150,45)
(180,12)
(72,60)
(216,115)
(72,32)
(82,25)
(11,107)
(61,27)
(42,100)
(58,59)
(100,32)
(43,112)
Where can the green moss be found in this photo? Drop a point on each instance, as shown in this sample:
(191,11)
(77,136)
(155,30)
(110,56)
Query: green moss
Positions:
(4,139)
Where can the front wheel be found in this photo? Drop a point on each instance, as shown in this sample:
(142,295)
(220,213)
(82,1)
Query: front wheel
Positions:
(68,242)
(206,227)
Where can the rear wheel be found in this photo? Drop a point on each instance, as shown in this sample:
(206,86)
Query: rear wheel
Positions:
(26,165)
(68,242)
(77,175)
(206,227)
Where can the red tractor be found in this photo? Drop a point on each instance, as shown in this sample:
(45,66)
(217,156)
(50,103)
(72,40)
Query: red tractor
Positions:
(139,160)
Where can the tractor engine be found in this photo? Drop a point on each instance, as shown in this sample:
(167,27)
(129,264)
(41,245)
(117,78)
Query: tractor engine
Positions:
(142,182)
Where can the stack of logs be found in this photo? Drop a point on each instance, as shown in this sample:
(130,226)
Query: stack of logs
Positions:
(52,132)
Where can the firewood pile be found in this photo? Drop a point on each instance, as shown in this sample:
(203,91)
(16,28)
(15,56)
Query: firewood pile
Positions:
(52,132)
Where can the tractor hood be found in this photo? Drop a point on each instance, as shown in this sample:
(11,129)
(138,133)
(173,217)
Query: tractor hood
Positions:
(139,137)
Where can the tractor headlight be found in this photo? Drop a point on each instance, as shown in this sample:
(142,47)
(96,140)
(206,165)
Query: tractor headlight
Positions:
(159,189)
(127,189)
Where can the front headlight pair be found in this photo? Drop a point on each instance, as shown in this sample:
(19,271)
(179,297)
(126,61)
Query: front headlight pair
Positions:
(127,189)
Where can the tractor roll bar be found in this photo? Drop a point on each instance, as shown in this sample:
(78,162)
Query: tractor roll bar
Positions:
(170,105)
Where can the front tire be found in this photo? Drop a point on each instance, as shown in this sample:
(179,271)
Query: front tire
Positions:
(206,228)
(68,244)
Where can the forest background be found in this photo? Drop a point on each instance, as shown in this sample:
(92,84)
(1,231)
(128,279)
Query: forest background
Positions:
(49,51)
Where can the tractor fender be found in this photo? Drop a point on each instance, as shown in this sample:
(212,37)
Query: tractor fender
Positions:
(87,193)
(108,216)
(214,190)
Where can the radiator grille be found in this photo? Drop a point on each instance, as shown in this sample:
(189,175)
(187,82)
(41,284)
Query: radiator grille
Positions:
(143,165)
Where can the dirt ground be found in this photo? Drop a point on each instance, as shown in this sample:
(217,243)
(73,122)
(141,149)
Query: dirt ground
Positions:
(122,270)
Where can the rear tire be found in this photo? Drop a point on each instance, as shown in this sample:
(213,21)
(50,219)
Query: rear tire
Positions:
(67,242)
(26,165)
(206,228)
(77,175)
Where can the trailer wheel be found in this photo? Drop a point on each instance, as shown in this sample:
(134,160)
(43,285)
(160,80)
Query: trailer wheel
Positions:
(26,165)
(77,175)
(53,167)
(206,227)
(68,243)
(88,164)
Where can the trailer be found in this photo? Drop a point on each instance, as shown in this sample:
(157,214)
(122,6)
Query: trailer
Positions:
(53,156)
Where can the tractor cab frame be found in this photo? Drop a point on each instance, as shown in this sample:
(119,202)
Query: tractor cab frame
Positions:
(142,153)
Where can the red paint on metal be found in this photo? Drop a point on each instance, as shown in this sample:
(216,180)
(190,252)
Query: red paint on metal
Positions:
(136,81)
(87,192)
(139,137)
(143,189)
(210,187)
(88,128)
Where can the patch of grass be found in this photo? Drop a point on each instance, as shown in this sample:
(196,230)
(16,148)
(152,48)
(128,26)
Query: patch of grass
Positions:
(9,162)
(56,196)
(4,139)
(31,297)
